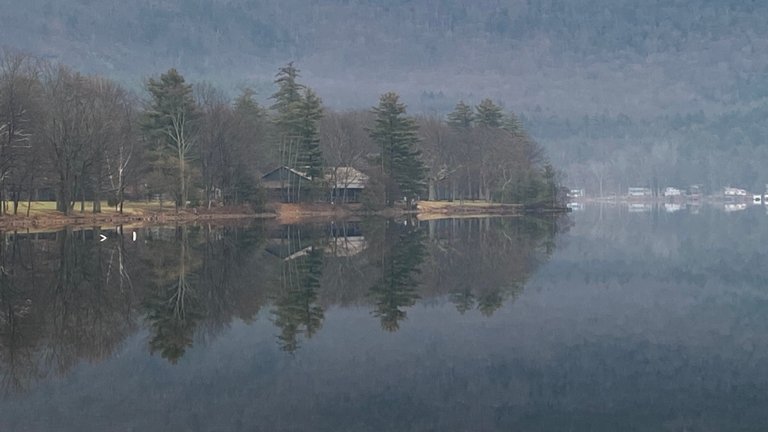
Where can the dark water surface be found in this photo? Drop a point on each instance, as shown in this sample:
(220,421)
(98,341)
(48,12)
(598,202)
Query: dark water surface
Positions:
(605,320)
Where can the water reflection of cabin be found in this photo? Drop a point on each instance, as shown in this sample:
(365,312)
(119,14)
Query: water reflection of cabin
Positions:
(290,242)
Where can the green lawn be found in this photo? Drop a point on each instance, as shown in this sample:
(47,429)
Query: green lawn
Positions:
(46,207)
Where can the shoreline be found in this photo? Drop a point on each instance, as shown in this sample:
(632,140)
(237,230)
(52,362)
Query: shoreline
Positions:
(279,212)
(59,220)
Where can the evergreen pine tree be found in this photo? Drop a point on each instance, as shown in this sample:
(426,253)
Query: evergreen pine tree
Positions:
(395,133)
(462,116)
(310,111)
(169,119)
(288,93)
(298,112)
(287,107)
(512,124)
(489,114)
(246,105)
(249,135)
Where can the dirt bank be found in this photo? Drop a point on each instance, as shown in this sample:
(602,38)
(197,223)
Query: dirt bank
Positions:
(284,213)
(50,219)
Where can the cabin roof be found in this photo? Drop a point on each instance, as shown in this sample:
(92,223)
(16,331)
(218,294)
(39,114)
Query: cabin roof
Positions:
(343,177)
(289,169)
(346,177)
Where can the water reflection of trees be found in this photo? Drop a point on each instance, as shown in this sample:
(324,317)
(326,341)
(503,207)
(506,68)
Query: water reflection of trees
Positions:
(296,310)
(67,297)
(481,263)
(398,255)
(58,305)
(172,305)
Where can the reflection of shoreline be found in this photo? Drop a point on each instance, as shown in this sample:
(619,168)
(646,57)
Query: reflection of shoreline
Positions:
(283,213)
(734,207)
(666,207)
(70,294)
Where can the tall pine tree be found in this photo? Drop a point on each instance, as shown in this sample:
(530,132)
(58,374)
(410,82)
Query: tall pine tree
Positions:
(288,93)
(287,107)
(170,119)
(396,135)
(310,111)
(489,114)
(462,116)
(512,124)
(298,112)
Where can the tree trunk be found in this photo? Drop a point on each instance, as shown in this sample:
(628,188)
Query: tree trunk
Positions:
(432,193)
(64,199)
(96,203)
(469,187)
(120,198)
(183,183)
(16,198)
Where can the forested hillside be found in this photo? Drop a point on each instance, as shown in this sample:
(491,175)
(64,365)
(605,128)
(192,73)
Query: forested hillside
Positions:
(679,72)
(713,150)
(575,54)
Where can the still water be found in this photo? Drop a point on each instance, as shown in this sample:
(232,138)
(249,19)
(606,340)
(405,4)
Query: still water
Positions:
(604,320)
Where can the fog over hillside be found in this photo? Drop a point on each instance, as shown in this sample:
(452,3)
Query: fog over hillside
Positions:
(673,73)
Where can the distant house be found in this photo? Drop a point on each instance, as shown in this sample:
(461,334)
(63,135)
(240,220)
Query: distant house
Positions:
(285,184)
(576,193)
(639,192)
(733,192)
(672,192)
(694,192)
(345,184)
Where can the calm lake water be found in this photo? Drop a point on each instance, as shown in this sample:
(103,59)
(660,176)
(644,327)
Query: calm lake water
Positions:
(604,320)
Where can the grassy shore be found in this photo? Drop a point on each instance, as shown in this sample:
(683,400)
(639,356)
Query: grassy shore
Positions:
(43,214)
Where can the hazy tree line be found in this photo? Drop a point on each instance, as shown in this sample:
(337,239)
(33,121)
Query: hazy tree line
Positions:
(617,151)
(84,138)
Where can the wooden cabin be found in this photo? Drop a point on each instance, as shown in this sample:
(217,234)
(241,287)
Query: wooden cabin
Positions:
(342,184)
(285,184)
(345,184)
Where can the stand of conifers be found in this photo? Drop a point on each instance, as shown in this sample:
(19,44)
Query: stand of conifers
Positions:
(77,139)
